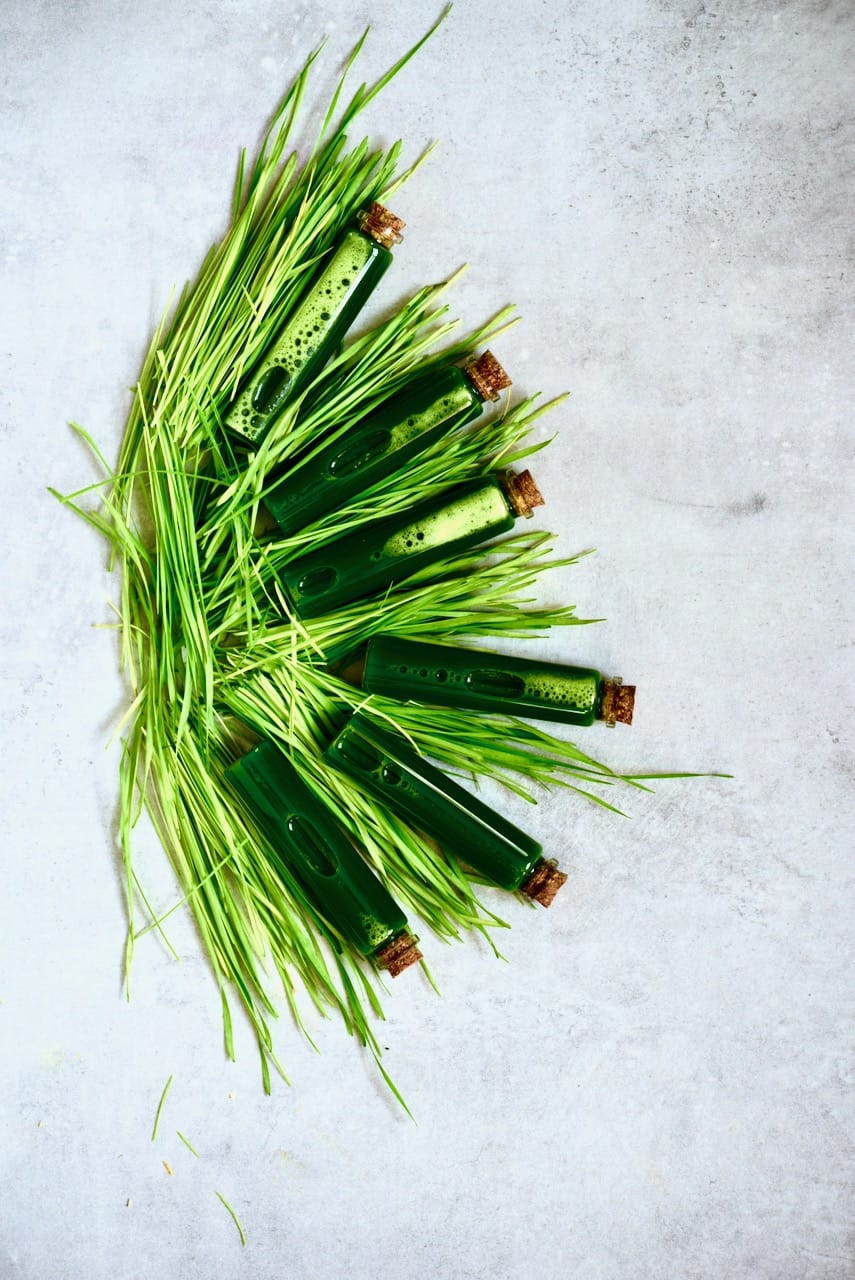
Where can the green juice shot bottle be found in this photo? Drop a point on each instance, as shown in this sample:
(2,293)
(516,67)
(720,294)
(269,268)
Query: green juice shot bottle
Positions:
(317,325)
(388,768)
(381,554)
(404,426)
(452,676)
(318,854)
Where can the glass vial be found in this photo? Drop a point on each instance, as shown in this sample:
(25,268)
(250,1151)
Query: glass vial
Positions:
(381,554)
(408,423)
(388,768)
(449,676)
(319,855)
(317,325)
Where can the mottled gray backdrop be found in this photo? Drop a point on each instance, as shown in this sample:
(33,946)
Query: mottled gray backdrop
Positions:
(655,1086)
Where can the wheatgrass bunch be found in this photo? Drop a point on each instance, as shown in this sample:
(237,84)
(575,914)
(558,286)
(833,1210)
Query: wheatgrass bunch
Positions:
(213,657)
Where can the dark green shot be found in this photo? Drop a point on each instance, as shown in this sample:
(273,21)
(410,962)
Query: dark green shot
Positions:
(388,768)
(318,854)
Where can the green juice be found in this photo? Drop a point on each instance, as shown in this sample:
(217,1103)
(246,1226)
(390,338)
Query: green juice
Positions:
(314,850)
(379,555)
(388,768)
(380,444)
(472,678)
(315,327)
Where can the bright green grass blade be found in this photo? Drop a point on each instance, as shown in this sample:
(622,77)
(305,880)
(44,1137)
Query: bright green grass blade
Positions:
(235,1219)
(188,1144)
(160,1106)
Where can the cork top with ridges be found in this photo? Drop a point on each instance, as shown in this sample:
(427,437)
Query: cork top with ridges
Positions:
(381,225)
(398,955)
(522,493)
(544,882)
(617,702)
(487,376)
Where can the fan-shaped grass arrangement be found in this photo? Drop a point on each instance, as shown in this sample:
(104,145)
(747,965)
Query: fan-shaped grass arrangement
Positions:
(216,656)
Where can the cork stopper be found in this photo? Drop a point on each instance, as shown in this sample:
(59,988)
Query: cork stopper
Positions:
(617,702)
(544,882)
(522,493)
(398,955)
(381,225)
(487,376)
(352,670)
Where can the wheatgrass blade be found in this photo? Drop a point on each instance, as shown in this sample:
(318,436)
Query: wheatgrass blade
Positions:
(235,1219)
(160,1106)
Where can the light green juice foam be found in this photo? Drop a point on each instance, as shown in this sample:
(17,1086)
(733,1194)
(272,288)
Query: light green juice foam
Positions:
(309,325)
(574,692)
(467,515)
(417,423)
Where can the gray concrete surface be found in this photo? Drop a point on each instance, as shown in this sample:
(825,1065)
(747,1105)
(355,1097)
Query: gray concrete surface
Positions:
(657,1086)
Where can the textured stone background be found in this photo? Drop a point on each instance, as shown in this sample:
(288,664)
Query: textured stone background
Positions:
(655,1085)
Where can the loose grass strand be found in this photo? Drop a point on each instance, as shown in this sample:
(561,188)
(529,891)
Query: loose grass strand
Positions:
(160,1104)
(188,1144)
(235,1219)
